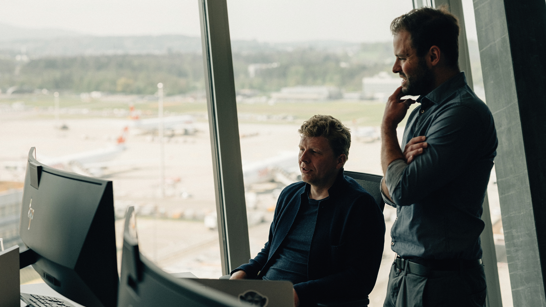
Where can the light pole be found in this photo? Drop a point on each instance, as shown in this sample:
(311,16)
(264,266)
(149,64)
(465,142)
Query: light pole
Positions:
(161,156)
(56,97)
(161,140)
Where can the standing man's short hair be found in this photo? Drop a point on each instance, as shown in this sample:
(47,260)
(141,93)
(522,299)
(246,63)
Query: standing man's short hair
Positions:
(431,27)
(333,130)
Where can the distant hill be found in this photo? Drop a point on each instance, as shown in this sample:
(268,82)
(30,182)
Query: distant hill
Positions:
(96,45)
(161,44)
(37,43)
(12,33)
(51,42)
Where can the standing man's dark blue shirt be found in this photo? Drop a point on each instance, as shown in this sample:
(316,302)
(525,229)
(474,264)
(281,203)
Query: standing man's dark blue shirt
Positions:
(439,195)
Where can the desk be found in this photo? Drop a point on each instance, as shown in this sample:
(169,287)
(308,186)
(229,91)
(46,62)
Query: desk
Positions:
(43,289)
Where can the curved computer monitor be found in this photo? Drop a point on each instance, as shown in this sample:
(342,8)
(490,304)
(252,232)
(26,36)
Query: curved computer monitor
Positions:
(143,284)
(67,223)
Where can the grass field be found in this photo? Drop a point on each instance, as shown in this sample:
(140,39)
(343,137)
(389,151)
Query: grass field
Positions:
(362,113)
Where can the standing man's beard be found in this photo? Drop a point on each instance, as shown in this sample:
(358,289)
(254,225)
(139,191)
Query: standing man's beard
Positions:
(421,82)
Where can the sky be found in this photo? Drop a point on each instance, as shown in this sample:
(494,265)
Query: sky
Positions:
(262,20)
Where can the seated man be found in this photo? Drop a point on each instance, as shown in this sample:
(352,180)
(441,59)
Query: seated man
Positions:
(327,233)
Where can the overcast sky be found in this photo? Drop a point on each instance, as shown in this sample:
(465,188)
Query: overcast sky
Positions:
(263,20)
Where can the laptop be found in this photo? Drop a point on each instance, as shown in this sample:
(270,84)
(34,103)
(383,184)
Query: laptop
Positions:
(263,293)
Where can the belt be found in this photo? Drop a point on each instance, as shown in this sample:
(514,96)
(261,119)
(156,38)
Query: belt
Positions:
(425,267)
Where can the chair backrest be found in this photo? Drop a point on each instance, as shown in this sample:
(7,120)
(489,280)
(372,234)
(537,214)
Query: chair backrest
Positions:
(370,183)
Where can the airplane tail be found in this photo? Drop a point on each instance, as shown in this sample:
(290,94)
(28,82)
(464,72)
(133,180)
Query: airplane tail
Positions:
(121,139)
(133,114)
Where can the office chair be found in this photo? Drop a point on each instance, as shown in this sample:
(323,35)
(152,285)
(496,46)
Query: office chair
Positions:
(372,184)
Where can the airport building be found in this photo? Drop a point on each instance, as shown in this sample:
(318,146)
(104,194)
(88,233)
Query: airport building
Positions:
(11,194)
(380,86)
(307,93)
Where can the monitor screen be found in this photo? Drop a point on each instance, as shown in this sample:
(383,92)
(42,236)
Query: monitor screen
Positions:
(142,283)
(67,222)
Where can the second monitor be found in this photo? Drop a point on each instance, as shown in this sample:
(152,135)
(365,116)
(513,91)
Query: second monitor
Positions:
(144,284)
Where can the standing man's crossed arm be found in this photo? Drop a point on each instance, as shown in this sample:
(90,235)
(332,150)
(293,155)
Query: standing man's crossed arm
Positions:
(395,111)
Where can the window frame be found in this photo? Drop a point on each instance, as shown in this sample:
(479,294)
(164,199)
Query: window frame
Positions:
(224,135)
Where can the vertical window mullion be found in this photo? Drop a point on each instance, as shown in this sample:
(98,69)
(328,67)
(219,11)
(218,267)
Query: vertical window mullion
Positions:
(488,244)
(225,145)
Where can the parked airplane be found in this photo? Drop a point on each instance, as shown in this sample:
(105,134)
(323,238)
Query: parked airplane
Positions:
(89,163)
(182,124)
(282,168)
(366,134)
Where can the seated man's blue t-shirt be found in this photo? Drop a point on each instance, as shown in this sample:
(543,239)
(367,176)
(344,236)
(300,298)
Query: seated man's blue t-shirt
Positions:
(291,262)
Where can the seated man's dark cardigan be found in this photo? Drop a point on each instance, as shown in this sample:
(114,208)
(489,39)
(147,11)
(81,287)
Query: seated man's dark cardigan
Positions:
(346,248)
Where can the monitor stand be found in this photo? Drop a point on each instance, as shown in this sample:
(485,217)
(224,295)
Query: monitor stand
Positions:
(9,279)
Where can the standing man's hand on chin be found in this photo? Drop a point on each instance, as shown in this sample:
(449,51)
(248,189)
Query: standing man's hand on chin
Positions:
(395,109)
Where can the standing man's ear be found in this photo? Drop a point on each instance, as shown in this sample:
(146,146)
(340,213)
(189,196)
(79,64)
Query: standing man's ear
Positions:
(434,55)
(341,159)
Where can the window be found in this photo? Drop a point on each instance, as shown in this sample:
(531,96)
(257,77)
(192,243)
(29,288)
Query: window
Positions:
(492,189)
(293,60)
(74,76)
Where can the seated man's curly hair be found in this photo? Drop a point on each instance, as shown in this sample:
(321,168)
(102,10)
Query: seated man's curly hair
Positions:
(332,129)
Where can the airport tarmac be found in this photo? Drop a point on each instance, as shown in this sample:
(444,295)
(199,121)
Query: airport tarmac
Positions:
(170,226)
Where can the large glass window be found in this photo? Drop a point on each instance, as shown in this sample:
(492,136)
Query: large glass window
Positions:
(293,60)
(74,77)
(492,189)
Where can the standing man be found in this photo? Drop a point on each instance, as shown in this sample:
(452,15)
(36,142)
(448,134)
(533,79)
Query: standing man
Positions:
(327,233)
(437,183)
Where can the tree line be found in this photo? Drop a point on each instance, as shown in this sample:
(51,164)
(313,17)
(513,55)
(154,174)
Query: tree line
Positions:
(182,73)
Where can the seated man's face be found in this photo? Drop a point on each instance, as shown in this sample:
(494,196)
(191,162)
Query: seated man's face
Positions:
(318,165)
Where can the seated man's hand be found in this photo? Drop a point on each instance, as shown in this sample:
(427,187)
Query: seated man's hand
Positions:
(296,298)
(415,147)
(238,275)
